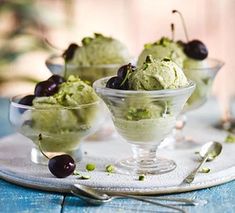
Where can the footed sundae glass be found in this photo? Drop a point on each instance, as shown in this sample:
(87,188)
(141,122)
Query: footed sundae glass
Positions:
(56,130)
(56,65)
(144,119)
(203,77)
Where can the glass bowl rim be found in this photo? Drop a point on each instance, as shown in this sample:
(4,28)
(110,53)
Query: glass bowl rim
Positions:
(218,65)
(99,88)
(22,106)
(49,62)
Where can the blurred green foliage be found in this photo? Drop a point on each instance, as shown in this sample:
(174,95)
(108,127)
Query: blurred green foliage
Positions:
(23,33)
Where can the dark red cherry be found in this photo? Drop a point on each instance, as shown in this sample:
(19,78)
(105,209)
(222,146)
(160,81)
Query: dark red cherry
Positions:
(114,83)
(45,88)
(196,49)
(123,70)
(62,166)
(117,83)
(57,79)
(69,52)
(27,100)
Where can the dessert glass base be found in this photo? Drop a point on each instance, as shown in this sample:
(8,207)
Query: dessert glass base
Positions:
(145,161)
(144,119)
(55,63)
(56,130)
(178,140)
(38,158)
(203,77)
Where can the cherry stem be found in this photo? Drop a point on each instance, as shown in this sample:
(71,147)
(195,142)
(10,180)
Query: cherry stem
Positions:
(127,74)
(39,146)
(183,22)
(65,68)
(172,31)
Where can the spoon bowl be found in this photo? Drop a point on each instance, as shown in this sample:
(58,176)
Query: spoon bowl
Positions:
(212,148)
(208,152)
(91,192)
(96,197)
(88,199)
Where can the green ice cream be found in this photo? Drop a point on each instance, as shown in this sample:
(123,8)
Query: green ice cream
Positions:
(101,50)
(98,57)
(64,118)
(143,118)
(161,49)
(72,93)
(190,63)
(199,72)
(157,74)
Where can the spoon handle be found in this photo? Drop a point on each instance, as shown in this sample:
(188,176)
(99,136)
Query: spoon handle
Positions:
(153,202)
(191,176)
(185,201)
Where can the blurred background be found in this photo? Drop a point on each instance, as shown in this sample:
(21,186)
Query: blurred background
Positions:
(24,25)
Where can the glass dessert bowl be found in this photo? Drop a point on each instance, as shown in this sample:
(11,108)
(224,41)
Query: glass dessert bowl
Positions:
(56,65)
(203,77)
(144,119)
(93,58)
(55,130)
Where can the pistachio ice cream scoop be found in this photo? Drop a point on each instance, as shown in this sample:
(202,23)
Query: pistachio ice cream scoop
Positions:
(144,111)
(100,50)
(59,117)
(72,93)
(162,48)
(93,58)
(156,74)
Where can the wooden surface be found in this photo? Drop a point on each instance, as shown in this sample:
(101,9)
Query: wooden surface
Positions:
(18,199)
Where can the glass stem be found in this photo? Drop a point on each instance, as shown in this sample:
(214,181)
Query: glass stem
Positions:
(144,154)
(179,126)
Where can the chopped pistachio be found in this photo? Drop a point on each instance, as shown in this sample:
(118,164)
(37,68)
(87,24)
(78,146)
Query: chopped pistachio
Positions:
(86,40)
(230,138)
(136,114)
(87,82)
(145,66)
(213,154)
(90,167)
(110,168)
(98,35)
(205,170)
(206,80)
(80,87)
(141,177)
(85,177)
(76,173)
(147,46)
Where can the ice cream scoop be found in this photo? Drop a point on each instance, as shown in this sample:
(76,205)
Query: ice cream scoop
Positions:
(61,119)
(156,74)
(100,50)
(74,92)
(164,47)
(144,113)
